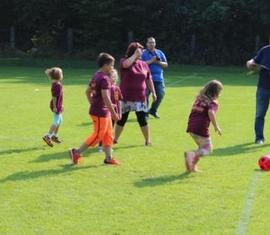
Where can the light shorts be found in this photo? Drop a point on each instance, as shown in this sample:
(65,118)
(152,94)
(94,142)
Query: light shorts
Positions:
(57,119)
(204,144)
(128,106)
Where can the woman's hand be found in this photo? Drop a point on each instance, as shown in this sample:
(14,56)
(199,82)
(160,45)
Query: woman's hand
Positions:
(154,97)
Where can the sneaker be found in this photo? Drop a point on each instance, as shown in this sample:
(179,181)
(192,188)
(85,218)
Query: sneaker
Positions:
(155,115)
(74,156)
(47,140)
(115,141)
(259,142)
(55,139)
(111,161)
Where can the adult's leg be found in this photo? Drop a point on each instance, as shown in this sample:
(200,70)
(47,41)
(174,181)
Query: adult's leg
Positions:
(160,92)
(142,120)
(120,126)
(262,103)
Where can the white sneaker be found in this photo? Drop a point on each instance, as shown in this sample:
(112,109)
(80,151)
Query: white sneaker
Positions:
(100,149)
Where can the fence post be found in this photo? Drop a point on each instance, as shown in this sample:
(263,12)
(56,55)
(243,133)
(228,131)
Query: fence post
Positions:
(257,42)
(130,36)
(70,40)
(12,37)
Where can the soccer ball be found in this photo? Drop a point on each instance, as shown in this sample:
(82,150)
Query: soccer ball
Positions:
(264,163)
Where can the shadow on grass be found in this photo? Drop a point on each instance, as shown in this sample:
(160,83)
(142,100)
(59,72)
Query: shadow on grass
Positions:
(156,181)
(61,155)
(28,175)
(115,147)
(238,149)
(85,124)
(11,151)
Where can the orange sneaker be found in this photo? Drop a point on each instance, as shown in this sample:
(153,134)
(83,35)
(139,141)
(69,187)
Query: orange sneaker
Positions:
(111,161)
(47,140)
(74,156)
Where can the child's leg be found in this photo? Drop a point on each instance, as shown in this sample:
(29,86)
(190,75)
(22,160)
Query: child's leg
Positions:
(107,145)
(204,148)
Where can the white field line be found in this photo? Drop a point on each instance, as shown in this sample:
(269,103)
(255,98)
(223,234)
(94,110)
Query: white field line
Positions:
(250,198)
(181,80)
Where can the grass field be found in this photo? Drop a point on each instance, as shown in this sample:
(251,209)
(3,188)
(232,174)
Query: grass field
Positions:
(149,193)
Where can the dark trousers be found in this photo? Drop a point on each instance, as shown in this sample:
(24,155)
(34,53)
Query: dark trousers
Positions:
(262,103)
(160,92)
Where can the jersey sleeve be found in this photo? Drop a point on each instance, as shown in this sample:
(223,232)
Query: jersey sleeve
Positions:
(163,57)
(213,106)
(105,84)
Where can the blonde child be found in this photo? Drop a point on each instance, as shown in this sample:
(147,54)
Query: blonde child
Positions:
(116,97)
(56,104)
(101,112)
(203,112)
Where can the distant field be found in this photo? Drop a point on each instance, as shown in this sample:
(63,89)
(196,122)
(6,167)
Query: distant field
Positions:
(149,193)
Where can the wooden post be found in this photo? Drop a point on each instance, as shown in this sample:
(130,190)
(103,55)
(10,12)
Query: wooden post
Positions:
(70,40)
(193,44)
(12,37)
(130,36)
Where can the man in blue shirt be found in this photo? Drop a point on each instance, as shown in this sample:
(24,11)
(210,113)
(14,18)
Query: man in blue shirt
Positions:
(263,89)
(156,60)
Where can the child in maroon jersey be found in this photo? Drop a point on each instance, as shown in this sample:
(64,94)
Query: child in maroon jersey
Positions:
(116,97)
(56,104)
(203,112)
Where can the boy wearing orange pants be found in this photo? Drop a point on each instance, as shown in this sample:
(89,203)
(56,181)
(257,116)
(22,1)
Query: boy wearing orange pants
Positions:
(101,112)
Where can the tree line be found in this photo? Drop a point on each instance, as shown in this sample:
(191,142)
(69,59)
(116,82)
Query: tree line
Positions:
(188,31)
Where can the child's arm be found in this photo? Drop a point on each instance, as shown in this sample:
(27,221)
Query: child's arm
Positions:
(54,104)
(212,117)
(119,107)
(88,93)
(108,103)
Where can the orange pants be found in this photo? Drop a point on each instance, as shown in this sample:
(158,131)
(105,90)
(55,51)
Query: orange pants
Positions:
(103,131)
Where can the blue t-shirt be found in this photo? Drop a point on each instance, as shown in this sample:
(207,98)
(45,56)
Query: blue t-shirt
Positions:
(156,69)
(263,58)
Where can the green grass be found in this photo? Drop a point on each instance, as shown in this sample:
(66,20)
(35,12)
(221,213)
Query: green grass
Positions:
(149,193)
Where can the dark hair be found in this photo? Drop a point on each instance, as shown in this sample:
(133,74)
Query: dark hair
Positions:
(212,89)
(104,58)
(132,48)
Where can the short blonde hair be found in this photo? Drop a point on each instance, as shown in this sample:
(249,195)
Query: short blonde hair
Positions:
(113,75)
(54,73)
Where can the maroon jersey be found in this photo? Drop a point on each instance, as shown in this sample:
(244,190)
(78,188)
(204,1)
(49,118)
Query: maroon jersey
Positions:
(199,121)
(58,93)
(132,84)
(116,96)
(100,81)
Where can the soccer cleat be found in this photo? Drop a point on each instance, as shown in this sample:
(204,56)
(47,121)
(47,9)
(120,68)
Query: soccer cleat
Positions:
(111,161)
(74,156)
(47,140)
(55,139)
